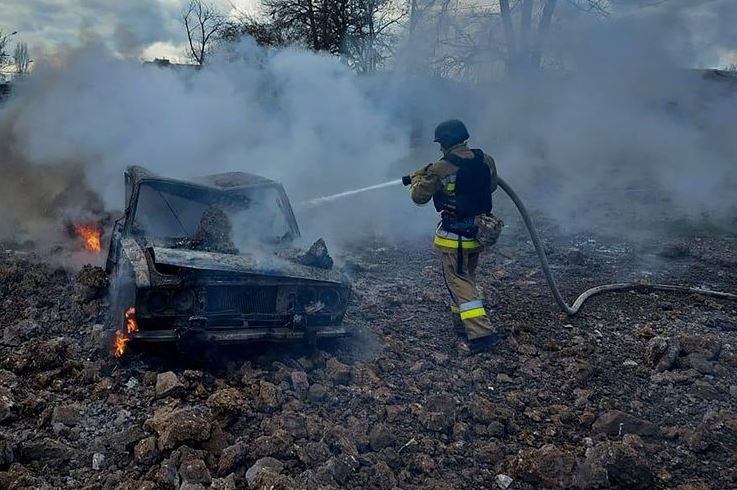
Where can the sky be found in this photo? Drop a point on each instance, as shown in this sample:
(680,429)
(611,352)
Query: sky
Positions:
(149,29)
(132,28)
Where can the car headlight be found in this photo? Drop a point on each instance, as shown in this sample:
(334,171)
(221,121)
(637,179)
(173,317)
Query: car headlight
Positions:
(183,301)
(330,298)
(306,296)
(157,301)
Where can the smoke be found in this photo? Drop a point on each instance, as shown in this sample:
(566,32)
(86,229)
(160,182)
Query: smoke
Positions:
(627,129)
(621,121)
(300,118)
(40,202)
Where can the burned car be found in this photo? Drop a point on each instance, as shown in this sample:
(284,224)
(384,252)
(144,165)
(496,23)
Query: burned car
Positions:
(212,259)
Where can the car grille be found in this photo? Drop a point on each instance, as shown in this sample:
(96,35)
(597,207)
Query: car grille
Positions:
(240,299)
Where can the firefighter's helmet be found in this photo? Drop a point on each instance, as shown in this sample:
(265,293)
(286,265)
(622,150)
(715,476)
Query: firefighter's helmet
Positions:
(451,132)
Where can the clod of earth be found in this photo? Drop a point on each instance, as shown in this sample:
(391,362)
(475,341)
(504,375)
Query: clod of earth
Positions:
(617,423)
(214,233)
(177,426)
(317,256)
(398,406)
(167,384)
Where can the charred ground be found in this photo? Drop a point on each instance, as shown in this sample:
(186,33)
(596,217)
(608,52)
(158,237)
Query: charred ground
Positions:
(640,391)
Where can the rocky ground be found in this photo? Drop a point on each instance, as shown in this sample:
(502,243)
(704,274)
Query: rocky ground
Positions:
(639,391)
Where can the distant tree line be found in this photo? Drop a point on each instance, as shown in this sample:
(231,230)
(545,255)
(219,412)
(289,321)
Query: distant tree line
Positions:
(469,41)
(362,32)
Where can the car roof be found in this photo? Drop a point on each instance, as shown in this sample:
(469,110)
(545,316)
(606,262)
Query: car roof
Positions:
(227,181)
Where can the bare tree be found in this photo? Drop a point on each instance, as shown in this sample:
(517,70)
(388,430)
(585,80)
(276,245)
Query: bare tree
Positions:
(263,32)
(202,22)
(21,58)
(479,41)
(4,56)
(320,25)
(373,36)
(524,48)
(362,32)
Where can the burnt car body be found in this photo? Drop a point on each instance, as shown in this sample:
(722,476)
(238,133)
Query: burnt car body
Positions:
(181,293)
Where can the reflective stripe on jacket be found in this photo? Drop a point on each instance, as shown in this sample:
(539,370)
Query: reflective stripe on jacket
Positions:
(446,239)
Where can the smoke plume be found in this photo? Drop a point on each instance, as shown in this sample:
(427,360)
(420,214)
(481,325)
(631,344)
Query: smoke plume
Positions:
(622,120)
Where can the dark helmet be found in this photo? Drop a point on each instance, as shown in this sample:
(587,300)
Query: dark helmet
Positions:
(451,132)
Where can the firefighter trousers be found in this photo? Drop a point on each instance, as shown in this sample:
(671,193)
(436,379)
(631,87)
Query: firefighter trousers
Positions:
(469,315)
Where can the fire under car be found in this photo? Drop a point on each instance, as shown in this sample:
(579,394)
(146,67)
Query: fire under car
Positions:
(212,260)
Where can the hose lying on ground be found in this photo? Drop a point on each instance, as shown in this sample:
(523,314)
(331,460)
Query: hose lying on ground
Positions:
(627,286)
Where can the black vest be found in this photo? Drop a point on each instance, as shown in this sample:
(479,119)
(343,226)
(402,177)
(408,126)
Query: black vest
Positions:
(472,194)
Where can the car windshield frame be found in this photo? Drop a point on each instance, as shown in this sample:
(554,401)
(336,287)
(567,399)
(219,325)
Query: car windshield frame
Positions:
(234,194)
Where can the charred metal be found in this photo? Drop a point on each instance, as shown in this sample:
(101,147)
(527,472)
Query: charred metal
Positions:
(173,257)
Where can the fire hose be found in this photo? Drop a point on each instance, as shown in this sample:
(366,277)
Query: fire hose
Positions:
(573,309)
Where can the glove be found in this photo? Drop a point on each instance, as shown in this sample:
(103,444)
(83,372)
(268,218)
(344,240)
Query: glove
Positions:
(406,180)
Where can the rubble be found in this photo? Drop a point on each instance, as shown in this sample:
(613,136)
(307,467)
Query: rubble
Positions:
(624,465)
(269,465)
(69,415)
(317,256)
(177,426)
(194,471)
(338,372)
(167,384)
(300,383)
(146,451)
(214,233)
(90,283)
(380,437)
(640,391)
(98,461)
(232,457)
(503,481)
(663,352)
(617,423)
(548,466)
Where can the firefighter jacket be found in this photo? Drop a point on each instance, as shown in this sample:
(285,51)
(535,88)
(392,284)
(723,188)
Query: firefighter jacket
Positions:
(440,177)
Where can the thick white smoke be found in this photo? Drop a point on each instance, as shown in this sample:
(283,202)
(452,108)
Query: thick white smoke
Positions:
(621,117)
(300,118)
(628,123)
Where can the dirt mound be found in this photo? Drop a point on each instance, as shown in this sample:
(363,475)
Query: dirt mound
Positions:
(214,233)
(640,391)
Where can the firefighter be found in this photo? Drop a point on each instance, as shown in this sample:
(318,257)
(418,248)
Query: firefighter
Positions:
(460,185)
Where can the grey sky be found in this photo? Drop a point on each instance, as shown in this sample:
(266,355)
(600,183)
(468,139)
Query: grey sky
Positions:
(144,28)
(152,28)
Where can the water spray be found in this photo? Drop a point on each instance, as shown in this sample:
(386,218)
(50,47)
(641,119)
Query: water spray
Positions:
(571,310)
(326,199)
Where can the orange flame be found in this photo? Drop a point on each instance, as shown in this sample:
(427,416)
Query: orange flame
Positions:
(122,337)
(130,320)
(91,237)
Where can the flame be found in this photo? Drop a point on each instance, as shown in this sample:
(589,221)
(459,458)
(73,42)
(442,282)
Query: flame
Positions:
(91,236)
(121,340)
(130,320)
(122,337)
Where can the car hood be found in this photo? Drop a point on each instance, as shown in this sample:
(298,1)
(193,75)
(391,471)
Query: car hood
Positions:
(267,265)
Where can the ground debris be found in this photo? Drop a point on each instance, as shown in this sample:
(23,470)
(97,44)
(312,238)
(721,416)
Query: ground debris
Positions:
(167,384)
(214,233)
(639,392)
(316,256)
(662,352)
